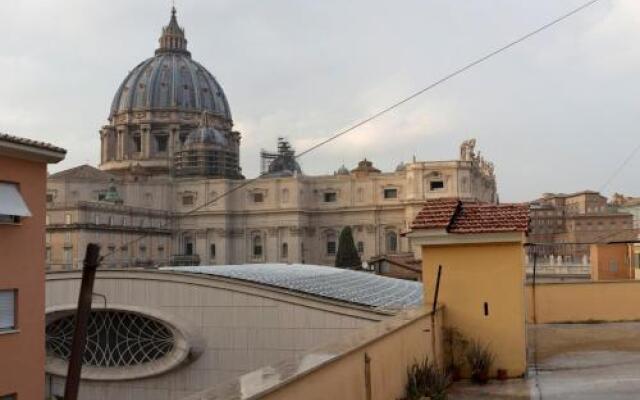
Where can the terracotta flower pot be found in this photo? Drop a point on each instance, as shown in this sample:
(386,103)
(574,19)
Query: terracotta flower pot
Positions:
(480,377)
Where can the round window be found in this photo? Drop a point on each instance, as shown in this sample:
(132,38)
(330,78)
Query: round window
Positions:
(115,338)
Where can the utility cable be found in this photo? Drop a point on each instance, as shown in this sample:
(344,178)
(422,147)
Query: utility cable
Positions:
(394,105)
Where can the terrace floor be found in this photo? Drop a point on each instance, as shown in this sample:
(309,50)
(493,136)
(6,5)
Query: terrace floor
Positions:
(572,361)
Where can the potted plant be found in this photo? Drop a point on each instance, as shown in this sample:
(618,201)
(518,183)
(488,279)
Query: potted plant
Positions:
(480,360)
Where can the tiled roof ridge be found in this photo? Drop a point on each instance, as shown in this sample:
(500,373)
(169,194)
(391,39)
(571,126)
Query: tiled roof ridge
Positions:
(31,142)
(455,215)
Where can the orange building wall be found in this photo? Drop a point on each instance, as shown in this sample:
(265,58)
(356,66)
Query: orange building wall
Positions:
(22,354)
(604,255)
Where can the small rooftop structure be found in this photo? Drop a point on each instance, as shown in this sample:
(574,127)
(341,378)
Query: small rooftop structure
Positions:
(365,167)
(337,284)
(464,216)
(281,163)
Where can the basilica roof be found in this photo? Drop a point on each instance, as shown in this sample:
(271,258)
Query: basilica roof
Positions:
(83,172)
(171,80)
(337,284)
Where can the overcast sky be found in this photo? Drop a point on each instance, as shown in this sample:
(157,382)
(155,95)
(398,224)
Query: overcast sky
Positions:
(557,113)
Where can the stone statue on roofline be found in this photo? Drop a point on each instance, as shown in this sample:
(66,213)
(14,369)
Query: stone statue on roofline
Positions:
(467,150)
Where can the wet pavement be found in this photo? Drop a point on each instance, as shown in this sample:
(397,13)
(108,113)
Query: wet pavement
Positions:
(572,361)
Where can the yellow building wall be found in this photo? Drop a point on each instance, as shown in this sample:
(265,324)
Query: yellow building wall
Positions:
(584,301)
(390,355)
(473,274)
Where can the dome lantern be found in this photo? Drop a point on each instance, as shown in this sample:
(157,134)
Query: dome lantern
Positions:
(172,39)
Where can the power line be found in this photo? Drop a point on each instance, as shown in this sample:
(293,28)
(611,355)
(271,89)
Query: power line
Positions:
(620,168)
(395,105)
(451,75)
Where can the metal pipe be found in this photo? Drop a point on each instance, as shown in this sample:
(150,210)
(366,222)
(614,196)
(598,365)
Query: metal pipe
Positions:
(435,294)
(91,262)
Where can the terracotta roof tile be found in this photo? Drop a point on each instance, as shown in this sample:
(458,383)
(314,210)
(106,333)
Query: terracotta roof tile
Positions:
(32,143)
(436,213)
(457,216)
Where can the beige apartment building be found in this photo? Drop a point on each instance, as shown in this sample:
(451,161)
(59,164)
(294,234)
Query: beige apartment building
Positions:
(582,217)
(169,188)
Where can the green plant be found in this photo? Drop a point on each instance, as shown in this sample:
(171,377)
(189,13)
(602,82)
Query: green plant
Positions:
(455,346)
(480,360)
(426,379)
(347,256)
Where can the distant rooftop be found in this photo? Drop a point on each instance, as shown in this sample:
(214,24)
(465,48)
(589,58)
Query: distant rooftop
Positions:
(462,216)
(32,143)
(355,287)
(27,149)
(83,172)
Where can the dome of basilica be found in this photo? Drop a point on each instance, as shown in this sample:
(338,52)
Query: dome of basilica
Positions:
(171,80)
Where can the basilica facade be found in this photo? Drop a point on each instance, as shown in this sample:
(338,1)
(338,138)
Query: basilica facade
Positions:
(169,189)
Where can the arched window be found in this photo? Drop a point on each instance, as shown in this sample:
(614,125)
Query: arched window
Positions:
(257,245)
(392,242)
(285,250)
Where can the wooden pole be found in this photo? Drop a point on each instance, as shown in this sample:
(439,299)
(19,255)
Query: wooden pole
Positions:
(91,262)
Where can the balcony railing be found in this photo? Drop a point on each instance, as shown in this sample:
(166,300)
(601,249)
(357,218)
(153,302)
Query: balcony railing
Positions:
(185,260)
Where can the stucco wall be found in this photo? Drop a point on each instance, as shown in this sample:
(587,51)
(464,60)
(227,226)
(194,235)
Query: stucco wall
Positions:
(584,301)
(243,327)
(390,355)
(339,369)
(475,274)
(22,268)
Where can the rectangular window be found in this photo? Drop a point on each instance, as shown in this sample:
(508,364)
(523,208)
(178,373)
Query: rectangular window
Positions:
(360,247)
(257,246)
(67,219)
(258,197)
(187,200)
(143,251)
(68,255)
(436,185)
(613,266)
(12,205)
(49,197)
(330,197)
(7,309)
(67,237)
(137,143)
(161,251)
(212,250)
(161,142)
(331,247)
(188,249)
(285,250)
(48,254)
(391,193)
(102,196)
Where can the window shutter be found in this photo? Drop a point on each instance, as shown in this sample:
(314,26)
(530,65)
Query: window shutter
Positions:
(7,309)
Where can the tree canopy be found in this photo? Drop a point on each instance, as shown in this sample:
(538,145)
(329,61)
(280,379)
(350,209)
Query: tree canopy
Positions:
(347,256)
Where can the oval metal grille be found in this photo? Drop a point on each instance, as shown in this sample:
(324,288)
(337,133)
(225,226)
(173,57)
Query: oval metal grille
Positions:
(114,339)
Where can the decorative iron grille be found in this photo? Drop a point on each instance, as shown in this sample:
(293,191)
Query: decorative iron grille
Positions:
(114,339)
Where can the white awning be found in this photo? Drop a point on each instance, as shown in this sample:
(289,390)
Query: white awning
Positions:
(11,201)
